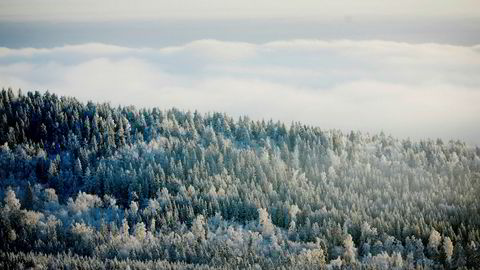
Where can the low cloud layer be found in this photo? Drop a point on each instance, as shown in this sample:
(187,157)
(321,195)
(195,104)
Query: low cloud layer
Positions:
(407,90)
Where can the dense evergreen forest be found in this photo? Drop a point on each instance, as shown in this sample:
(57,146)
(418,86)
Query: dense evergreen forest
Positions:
(91,186)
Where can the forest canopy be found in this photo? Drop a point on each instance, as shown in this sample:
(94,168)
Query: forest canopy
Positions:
(91,186)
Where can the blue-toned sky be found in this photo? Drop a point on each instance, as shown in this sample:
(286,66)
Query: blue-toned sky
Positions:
(408,68)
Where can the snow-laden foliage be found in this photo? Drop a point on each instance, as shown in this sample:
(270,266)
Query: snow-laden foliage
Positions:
(155,188)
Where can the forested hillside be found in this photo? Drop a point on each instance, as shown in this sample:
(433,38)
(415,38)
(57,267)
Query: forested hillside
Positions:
(91,186)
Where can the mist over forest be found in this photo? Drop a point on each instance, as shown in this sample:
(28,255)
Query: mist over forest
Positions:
(87,185)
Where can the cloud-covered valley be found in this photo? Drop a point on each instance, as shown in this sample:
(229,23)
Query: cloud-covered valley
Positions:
(407,90)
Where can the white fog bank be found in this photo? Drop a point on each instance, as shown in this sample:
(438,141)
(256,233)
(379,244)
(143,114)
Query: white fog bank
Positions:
(407,90)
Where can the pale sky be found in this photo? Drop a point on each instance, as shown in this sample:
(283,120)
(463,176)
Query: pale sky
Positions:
(88,10)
